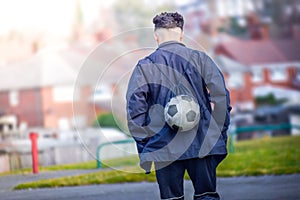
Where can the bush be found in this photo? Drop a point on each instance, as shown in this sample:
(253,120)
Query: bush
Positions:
(105,120)
(269,99)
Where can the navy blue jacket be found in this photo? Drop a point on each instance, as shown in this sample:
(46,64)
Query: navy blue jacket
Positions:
(149,89)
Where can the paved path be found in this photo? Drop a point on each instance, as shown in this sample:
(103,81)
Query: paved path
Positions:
(236,188)
(8,182)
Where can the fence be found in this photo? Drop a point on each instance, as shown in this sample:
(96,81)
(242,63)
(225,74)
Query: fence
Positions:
(268,127)
(233,133)
(100,147)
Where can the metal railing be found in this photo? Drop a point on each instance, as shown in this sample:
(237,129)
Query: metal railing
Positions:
(126,141)
(268,127)
(233,132)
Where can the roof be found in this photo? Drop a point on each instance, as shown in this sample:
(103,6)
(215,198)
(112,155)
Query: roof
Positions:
(229,65)
(42,69)
(110,63)
(106,64)
(251,52)
(290,48)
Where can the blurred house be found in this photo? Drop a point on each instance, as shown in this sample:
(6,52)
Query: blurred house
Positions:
(40,91)
(67,88)
(206,18)
(271,63)
(209,15)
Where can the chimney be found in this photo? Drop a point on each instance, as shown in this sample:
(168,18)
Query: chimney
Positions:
(264,31)
(257,30)
(34,47)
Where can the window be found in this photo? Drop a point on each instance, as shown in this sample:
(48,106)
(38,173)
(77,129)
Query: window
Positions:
(235,80)
(63,123)
(65,94)
(102,92)
(13,98)
(278,74)
(257,75)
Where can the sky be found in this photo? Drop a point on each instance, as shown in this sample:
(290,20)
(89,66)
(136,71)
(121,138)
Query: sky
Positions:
(51,16)
(55,17)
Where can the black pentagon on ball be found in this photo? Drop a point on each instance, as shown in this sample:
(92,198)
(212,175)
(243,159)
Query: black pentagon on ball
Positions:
(187,98)
(172,110)
(175,127)
(190,116)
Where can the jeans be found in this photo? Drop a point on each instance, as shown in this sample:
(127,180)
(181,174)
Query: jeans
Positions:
(202,172)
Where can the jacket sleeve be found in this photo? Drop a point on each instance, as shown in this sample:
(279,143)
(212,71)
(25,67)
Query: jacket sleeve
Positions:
(219,94)
(137,112)
(137,108)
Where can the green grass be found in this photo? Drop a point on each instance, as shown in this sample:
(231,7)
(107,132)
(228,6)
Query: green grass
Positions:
(112,176)
(279,155)
(263,156)
(110,163)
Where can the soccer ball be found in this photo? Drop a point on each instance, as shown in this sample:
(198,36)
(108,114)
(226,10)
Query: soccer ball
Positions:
(182,112)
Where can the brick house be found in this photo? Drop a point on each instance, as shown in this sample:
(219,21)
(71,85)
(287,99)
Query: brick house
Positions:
(40,92)
(271,63)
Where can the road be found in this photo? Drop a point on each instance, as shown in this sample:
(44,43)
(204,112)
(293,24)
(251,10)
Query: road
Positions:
(236,188)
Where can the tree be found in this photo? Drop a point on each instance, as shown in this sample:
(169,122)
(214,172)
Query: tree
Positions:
(105,120)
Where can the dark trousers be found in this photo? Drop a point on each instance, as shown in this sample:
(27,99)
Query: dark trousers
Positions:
(202,171)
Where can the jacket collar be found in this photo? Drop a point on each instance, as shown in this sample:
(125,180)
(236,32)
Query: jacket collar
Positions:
(172,42)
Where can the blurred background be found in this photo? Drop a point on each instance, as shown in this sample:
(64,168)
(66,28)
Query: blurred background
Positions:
(44,44)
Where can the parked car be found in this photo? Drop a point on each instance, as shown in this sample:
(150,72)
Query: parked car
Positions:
(274,121)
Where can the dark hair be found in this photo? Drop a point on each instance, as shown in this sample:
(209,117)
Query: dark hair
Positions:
(168,20)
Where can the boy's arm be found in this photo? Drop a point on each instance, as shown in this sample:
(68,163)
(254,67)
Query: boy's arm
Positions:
(219,94)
